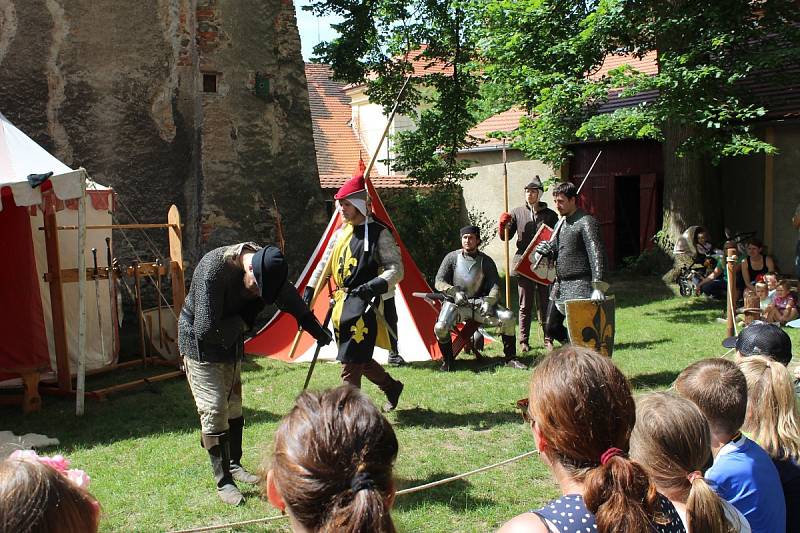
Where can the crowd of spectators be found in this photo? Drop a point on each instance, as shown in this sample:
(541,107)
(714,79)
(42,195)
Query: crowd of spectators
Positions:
(670,461)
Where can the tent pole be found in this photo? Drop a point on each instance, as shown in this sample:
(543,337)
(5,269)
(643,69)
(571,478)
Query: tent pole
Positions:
(56,294)
(81,383)
(505,230)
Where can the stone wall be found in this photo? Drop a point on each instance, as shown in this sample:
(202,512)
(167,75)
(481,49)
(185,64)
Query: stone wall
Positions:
(118,88)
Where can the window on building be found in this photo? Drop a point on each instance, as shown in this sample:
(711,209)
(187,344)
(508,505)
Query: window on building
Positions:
(209,82)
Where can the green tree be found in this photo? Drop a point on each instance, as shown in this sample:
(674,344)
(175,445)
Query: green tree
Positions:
(379,42)
(546,50)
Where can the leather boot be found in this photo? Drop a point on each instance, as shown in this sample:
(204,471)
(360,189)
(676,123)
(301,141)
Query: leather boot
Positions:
(237,470)
(447,355)
(510,352)
(393,396)
(218,448)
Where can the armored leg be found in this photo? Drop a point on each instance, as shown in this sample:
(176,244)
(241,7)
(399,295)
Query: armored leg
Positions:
(445,322)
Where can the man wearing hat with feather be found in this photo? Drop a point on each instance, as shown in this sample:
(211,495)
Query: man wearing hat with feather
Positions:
(364,262)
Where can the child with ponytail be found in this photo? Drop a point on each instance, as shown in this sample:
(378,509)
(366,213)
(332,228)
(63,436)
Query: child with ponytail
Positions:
(774,423)
(581,413)
(331,468)
(671,439)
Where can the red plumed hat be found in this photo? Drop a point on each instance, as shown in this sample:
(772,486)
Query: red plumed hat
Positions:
(352,186)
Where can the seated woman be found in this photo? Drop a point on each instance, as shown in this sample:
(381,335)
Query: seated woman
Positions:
(39,494)
(671,439)
(581,414)
(715,284)
(773,421)
(331,469)
(756,265)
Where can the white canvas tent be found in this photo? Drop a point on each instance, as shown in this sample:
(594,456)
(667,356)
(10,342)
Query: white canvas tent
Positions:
(27,325)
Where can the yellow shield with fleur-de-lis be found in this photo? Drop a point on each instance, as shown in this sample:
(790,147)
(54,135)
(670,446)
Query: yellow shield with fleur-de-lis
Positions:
(591,324)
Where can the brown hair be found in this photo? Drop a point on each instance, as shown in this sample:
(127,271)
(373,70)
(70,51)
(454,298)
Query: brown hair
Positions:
(333,460)
(772,415)
(583,407)
(719,389)
(36,498)
(672,440)
(784,284)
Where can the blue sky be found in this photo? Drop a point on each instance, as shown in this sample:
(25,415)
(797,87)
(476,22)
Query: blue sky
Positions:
(313,29)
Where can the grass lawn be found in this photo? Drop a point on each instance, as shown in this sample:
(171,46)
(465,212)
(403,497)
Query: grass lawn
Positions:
(150,474)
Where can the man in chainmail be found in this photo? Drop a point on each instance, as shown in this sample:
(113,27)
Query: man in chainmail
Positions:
(525,221)
(230,286)
(469,277)
(364,262)
(580,260)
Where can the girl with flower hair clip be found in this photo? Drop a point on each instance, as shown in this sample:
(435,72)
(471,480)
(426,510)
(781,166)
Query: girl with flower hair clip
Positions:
(41,494)
(672,441)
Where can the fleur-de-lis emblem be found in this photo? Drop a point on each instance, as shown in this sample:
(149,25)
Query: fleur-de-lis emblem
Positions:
(602,332)
(347,268)
(359,330)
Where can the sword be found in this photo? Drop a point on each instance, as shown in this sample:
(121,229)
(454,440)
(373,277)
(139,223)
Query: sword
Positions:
(95,275)
(319,345)
(112,302)
(561,220)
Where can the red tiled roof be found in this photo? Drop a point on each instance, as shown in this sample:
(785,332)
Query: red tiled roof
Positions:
(646,65)
(423,66)
(505,121)
(338,149)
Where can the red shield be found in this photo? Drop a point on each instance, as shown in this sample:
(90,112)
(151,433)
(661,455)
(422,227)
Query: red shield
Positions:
(545,272)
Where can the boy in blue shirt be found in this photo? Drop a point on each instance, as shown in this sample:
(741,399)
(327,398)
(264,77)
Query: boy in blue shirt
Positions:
(742,472)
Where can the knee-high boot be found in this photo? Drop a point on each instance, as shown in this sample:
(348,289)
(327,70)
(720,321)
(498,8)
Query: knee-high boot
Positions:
(510,352)
(237,470)
(218,447)
(447,355)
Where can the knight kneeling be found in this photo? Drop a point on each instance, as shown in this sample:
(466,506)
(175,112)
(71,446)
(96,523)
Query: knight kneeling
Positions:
(469,279)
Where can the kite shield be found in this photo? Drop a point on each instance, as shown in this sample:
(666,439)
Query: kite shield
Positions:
(543,273)
(591,324)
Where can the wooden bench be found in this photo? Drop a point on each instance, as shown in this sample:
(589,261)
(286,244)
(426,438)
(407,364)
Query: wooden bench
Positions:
(29,398)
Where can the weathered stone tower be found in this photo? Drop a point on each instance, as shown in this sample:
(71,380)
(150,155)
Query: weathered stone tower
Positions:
(201,103)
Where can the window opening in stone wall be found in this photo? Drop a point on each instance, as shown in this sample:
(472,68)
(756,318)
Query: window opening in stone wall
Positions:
(209,82)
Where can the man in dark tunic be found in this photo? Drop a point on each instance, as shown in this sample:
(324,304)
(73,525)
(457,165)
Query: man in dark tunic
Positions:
(580,260)
(525,221)
(230,286)
(469,277)
(364,262)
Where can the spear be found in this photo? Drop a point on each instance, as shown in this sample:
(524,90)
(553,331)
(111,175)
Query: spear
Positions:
(505,229)
(323,278)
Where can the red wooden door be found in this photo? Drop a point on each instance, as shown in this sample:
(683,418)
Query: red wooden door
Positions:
(597,198)
(648,210)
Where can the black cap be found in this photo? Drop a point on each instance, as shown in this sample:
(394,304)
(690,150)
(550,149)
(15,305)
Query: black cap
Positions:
(535,183)
(761,338)
(270,271)
(475,230)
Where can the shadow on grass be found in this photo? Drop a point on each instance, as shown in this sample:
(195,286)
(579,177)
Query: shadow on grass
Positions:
(445,494)
(639,345)
(157,408)
(665,378)
(426,418)
(633,291)
(693,311)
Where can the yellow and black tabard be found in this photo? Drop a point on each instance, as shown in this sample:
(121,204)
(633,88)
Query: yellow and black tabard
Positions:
(357,330)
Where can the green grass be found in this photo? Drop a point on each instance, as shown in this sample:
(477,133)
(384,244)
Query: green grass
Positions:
(150,474)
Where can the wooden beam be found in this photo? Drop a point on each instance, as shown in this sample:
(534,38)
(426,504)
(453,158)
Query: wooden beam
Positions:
(769,191)
(117,226)
(56,295)
(70,275)
(176,259)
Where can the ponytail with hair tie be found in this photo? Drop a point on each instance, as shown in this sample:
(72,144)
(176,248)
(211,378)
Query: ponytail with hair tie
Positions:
(362,481)
(694,475)
(608,454)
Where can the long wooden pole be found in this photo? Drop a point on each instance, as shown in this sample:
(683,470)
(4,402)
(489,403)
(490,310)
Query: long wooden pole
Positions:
(323,277)
(730,265)
(505,229)
(81,378)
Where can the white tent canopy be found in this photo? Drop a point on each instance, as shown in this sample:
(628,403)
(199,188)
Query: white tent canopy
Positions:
(23,291)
